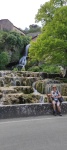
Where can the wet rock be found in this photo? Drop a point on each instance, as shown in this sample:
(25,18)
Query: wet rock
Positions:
(0,95)
(18,83)
(18,87)
(64,89)
(2,83)
(20,99)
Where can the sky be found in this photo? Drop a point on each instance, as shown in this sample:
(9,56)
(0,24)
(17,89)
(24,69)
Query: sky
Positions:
(20,12)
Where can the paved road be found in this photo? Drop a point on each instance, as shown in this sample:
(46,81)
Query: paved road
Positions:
(34,133)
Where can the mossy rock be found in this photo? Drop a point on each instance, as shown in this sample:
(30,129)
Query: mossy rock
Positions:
(20,99)
(40,86)
(64,89)
(28,81)
(1,83)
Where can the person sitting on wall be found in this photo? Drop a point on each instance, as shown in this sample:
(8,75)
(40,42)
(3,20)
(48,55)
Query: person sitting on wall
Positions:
(55,98)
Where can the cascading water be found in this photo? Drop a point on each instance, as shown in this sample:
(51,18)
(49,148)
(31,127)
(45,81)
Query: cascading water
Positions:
(26,50)
(23,60)
(48,87)
(42,96)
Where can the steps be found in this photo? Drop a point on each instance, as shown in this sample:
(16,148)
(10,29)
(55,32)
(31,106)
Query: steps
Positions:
(16,87)
(19,87)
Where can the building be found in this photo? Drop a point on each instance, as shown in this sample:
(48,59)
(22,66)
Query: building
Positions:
(6,25)
(33,35)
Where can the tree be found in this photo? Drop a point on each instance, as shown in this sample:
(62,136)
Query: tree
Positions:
(51,45)
(46,12)
(59,3)
(32,28)
(4,60)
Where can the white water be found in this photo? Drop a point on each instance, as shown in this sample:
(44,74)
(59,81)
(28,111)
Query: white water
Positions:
(41,100)
(23,60)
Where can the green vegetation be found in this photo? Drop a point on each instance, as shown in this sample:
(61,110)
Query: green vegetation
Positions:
(12,45)
(32,28)
(4,59)
(51,45)
(45,68)
(49,50)
(46,12)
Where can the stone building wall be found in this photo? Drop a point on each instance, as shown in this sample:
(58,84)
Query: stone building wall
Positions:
(18,30)
(5,24)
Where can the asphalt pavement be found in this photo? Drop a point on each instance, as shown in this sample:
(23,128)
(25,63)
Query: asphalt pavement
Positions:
(34,133)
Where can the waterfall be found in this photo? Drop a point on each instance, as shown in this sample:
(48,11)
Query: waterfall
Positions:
(26,50)
(23,60)
(42,97)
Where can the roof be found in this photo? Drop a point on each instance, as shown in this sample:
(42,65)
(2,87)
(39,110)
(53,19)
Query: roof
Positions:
(5,22)
(33,35)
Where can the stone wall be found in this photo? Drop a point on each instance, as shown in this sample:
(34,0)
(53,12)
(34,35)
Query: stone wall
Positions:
(18,30)
(27,110)
(5,24)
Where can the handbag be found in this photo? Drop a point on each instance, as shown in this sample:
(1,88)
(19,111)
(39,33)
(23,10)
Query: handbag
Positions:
(60,99)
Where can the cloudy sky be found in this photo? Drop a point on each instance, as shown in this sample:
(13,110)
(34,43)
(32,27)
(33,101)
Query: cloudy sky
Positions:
(20,12)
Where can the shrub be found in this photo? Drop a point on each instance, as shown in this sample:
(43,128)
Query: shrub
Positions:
(4,59)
